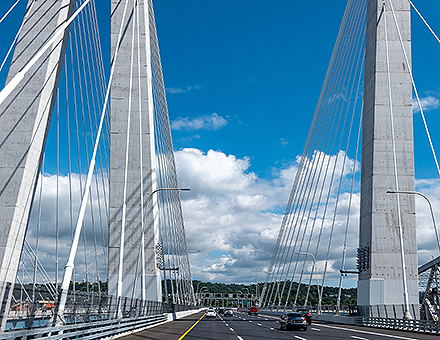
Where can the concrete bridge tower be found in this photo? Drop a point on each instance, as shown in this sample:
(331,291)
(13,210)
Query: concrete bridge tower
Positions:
(387,93)
(135,96)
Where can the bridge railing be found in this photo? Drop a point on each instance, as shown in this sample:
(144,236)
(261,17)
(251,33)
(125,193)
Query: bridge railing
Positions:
(421,326)
(83,307)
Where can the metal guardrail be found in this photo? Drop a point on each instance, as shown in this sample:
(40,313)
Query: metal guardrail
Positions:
(88,330)
(420,326)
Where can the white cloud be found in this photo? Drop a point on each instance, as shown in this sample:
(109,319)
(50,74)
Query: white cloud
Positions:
(428,103)
(233,217)
(173,90)
(283,142)
(212,122)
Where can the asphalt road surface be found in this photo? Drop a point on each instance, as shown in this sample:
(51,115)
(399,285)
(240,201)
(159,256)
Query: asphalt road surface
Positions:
(244,327)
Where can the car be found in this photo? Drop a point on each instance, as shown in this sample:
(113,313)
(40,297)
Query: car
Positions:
(253,311)
(210,313)
(293,320)
(227,312)
(306,313)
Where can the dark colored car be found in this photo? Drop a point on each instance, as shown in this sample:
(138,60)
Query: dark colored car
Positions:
(227,312)
(293,320)
(253,311)
(306,313)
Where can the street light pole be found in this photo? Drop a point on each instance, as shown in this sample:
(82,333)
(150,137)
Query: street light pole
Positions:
(430,208)
(310,282)
(402,250)
(256,291)
(121,253)
(143,247)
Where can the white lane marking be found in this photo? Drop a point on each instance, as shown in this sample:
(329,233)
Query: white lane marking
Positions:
(316,329)
(298,337)
(226,325)
(231,329)
(239,337)
(358,337)
(371,333)
(259,324)
(272,329)
(250,321)
(265,319)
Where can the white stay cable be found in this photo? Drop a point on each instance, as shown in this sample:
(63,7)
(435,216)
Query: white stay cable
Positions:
(423,19)
(9,11)
(408,66)
(144,295)
(18,33)
(20,75)
(399,222)
(127,147)
(70,263)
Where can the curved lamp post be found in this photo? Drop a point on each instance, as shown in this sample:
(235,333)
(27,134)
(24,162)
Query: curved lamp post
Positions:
(430,208)
(317,283)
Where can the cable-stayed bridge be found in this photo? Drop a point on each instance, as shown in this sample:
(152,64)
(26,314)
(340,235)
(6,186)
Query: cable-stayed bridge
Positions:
(97,137)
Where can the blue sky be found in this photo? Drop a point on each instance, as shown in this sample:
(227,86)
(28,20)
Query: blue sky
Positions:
(260,68)
(243,78)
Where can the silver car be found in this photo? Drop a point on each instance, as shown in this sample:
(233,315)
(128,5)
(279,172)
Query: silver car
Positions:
(293,320)
(210,313)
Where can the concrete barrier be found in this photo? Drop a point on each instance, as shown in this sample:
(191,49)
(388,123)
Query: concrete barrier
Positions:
(347,320)
(178,315)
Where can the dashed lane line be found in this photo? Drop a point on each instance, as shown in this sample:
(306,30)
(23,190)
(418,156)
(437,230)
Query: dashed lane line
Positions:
(259,324)
(298,337)
(358,337)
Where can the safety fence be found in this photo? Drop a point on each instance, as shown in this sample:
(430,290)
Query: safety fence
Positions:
(89,330)
(83,309)
(421,326)
(378,316)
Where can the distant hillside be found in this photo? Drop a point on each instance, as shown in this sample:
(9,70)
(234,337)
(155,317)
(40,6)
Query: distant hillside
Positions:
(329,296)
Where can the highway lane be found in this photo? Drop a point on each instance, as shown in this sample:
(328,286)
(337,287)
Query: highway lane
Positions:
(244,327)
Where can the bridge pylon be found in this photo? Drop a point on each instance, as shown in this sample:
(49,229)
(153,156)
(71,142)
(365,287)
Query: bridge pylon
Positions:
(387,219)
(25,117)
(128,138)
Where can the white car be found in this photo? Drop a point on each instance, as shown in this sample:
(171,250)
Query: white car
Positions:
(210,313)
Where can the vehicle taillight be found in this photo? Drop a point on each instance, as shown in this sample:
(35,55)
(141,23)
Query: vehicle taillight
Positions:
(308,314)
(304,319)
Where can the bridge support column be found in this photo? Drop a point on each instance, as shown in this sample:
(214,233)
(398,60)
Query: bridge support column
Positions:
(141,135)
(24,123)
(380,265)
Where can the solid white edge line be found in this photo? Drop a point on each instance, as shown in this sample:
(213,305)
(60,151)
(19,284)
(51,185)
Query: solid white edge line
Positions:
(371,333)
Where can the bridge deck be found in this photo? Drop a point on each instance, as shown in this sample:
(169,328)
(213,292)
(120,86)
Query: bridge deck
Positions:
(244,327)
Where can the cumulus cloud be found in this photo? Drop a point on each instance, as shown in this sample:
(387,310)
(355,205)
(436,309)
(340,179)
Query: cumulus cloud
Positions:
(233,217)
(428,103)
(43,221)
(212,122)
